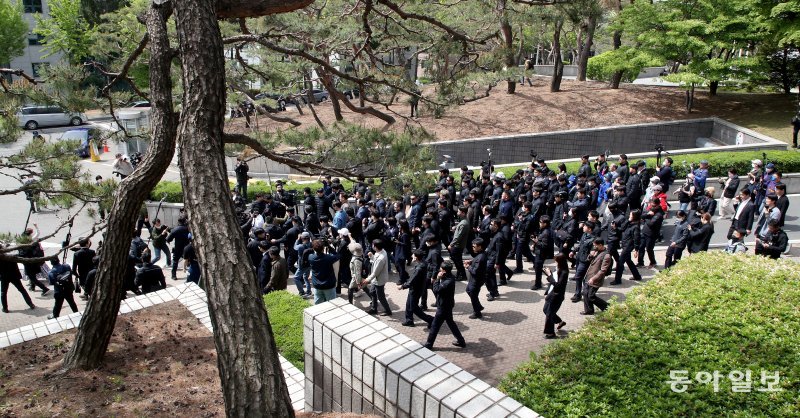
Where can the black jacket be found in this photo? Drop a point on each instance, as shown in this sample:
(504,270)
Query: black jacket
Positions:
(698,237)
(445,291)
(630,238)
(254,252)
(730,191)
(746,219)
(544,244)
(180,234)
(652,223)
(777,244)
(82,262)
(584,247)
(433,261)
(477,269)
(150,278)
(418,279)
(559,286)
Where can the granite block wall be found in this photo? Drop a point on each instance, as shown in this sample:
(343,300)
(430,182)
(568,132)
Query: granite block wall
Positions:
(355,363)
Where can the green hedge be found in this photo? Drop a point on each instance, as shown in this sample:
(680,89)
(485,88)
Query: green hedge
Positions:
(174,191)
(286,317)
(719,162)
(712,311)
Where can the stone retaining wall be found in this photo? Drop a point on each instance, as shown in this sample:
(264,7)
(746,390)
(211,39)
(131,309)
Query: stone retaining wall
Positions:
(358,364)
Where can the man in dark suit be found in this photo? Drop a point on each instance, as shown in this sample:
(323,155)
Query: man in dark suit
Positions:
(444,287)
(477,276)
(633,188)
(416,287)
(743,215)
(542,249)
(783,202)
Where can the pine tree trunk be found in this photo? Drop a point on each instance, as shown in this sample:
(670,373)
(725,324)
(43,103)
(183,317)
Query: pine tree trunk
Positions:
(251,375)
(616,78)
(586,48)
(508,47)
(100,315)
(558,64)
(712,88)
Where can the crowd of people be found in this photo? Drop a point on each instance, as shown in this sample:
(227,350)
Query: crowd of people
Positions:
(601,221)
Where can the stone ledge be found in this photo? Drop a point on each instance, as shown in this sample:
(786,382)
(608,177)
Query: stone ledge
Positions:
(356,363)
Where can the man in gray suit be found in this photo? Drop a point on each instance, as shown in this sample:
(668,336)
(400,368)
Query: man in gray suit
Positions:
(456,247)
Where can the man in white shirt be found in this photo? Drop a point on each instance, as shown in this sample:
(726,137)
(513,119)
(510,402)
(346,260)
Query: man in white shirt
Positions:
(122,167)
(378,276)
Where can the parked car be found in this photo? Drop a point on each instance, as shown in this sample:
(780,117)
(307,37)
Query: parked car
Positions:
(33,117)
(82,135)
(319,95)
(142,103)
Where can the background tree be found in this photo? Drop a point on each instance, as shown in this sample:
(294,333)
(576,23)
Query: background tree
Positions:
(65,30)
(12,31)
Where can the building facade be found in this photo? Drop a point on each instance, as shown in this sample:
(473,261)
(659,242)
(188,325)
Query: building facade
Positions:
(32,60)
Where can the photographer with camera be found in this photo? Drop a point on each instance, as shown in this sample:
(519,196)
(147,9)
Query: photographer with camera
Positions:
(242,177)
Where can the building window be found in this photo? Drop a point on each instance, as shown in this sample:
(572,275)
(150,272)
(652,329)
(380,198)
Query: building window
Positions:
(32,6)
(37,68)
(35,39)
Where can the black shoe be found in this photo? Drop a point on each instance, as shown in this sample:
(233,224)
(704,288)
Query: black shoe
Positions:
(424,307)
(408,324)
(640,265)
(476,315)
(536,287)
(51,316)
(517,271)
(461,344)
(31,307)
(385,314)
(614,283)
(550,336)
(576,300)
(587,313)
(45,291)
(561,325)
(635,279)
(6,310)
(428,346)
(372,311)
(489,298)
(502,283)
(508,279)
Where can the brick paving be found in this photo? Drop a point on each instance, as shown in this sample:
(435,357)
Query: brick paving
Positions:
(512,325)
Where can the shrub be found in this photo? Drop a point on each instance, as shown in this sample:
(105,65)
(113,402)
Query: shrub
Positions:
(712,311)
(286,318)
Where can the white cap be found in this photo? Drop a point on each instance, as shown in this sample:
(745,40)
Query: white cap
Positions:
(344,231)
(757,162)
(654,179)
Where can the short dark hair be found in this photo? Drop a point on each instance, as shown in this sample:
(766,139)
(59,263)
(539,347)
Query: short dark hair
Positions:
(600,241)
(774,223)
(378,244)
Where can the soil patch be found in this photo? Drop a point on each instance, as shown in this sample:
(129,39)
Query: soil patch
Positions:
(579,105)
(161,361)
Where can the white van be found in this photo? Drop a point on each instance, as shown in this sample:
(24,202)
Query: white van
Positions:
(33,117)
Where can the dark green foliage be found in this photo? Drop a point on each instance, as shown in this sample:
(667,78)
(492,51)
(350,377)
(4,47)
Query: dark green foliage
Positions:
(712,311)
(719,162)
(286,317)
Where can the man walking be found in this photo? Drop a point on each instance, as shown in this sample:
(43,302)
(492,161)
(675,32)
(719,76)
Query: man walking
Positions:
(581,253)
(444,287)
(377,279)
(680,236)
(60,277)
(82,261)
(459,242)
(599,267)
(477,277)
(323,279)
(416,286)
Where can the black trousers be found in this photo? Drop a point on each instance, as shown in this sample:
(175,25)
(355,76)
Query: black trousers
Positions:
(590,299)
(580,274)
(34,281)
(538,265)
(444,316)
(551,318)
(474,291)
(378,295)
(504,272)
(17,282)
(647,244)
(522,248)
(412,308)
(60,298)
(491,281)
(673,255)
(626,259)
(457,257)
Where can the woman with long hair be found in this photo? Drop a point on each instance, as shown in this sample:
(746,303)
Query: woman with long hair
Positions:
(554,296)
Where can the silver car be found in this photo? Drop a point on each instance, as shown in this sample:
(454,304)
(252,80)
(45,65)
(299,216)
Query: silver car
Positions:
(33,117)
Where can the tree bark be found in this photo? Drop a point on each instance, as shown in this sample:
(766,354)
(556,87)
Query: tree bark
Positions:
(712,88)
(558,64)
(251,375)
(508,46)
(616,78)
(327,81)
(586,48)
(100,315)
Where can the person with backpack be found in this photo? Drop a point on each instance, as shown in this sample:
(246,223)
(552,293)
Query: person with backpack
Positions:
(60,276)
(599,267)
